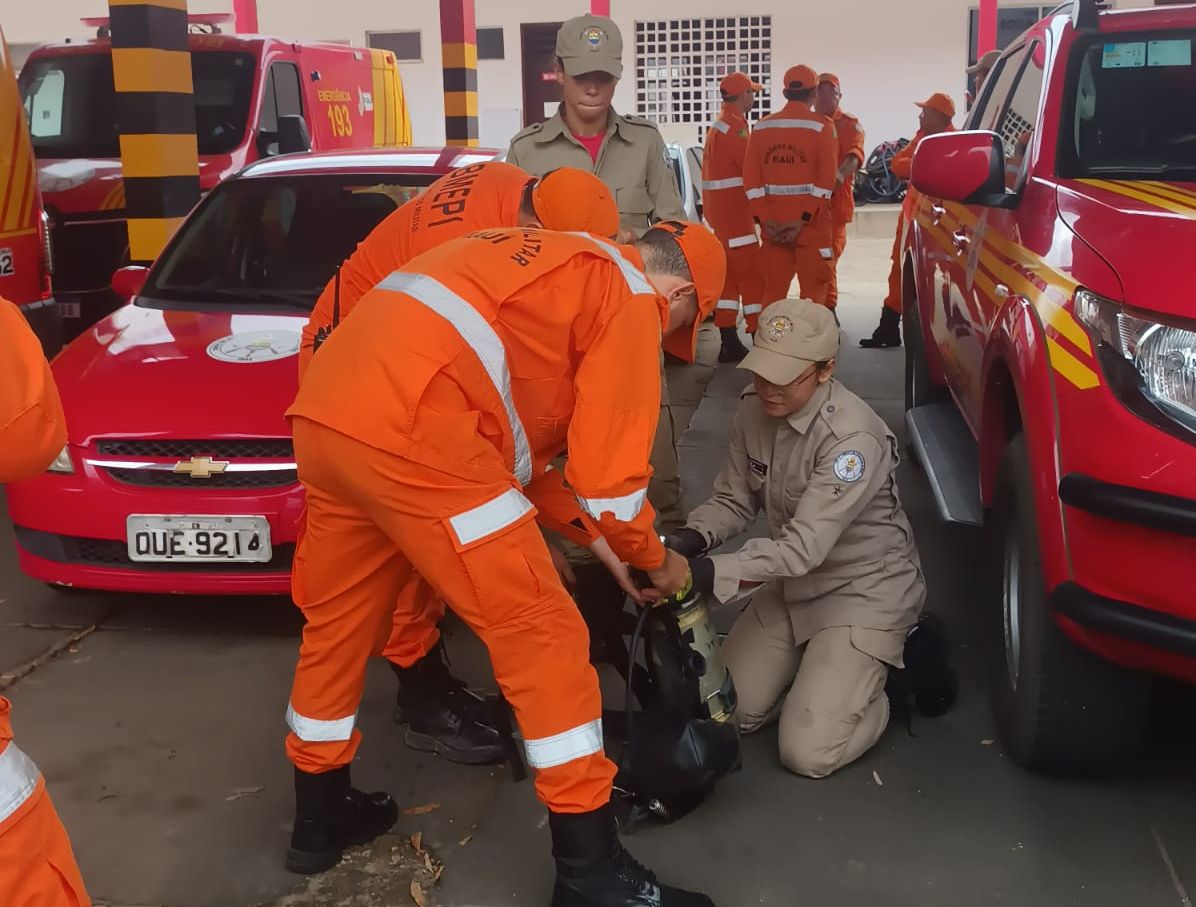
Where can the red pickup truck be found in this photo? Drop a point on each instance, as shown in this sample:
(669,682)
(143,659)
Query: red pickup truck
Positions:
(1050,382)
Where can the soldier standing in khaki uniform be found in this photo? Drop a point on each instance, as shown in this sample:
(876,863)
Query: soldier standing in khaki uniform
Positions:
(843,580)
(628,154)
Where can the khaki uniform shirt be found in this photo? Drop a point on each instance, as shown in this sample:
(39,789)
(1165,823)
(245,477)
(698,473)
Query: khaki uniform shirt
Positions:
(633,162)
(840,550)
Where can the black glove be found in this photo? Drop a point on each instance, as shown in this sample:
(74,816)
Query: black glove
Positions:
(702,571)
(686,542)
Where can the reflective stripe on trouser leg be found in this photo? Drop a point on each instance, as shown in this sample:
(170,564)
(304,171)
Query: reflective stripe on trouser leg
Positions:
(18,780)
(744,266)
(503,586)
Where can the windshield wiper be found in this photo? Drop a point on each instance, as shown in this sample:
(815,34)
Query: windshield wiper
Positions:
(298,300)
(1157,171)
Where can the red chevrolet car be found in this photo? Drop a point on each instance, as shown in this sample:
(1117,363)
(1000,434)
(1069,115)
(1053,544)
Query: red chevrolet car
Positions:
(179,474)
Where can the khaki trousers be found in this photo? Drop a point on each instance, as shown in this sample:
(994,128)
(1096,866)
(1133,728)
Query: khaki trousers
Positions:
(828,695)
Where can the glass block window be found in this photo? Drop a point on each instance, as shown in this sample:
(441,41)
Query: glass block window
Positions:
(679,63)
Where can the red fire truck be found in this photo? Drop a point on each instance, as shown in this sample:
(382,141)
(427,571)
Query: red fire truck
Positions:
(249,92)
(24,239)
(1050,334)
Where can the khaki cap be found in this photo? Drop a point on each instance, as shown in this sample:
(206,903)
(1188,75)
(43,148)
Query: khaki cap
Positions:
(985,63)
(590,44)
(793,335)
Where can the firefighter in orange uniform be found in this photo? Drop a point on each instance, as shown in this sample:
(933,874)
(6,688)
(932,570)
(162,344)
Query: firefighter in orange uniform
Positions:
(789,173)
(37,865)
(851,158)
(458,379)
(725,207)
(937,113)
(440,713)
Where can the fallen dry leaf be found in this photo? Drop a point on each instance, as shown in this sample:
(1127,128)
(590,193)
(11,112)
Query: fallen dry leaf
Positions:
(465,840)
(428,863)
(876,778)
(239,792)
(417,841)
(417,894)
(421,810)
(987,742)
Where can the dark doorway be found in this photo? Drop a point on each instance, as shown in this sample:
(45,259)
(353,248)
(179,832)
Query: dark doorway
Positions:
(541,93)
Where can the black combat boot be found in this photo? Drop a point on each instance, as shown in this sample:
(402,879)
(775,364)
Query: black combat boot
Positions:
(331,816)
(733,349)
(928,678)
(444,716)
(593,869)
(887,333)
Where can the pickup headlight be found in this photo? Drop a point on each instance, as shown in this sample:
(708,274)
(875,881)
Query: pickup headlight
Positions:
(1152,360)
(62,463)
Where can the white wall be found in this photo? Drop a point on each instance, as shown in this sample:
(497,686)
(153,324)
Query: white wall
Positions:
(889,53)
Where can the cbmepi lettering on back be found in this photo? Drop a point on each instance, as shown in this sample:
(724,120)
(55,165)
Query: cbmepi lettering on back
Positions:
(450,201)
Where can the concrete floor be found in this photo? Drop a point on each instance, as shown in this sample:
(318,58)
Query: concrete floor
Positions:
(158,724)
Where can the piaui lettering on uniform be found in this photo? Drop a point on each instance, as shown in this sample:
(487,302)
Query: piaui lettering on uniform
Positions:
(492,236)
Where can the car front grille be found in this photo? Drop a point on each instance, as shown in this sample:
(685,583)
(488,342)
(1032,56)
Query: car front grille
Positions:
(241,448)
(160,478)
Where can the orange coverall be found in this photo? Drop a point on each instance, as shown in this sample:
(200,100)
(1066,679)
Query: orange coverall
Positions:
(459,378)
(37,866)
(725,207)
(851,144)
(789,174)
(902,165)
(471,198)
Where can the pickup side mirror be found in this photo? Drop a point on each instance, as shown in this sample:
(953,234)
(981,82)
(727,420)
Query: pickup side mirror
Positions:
(128,281)
(967,167)
(293,136)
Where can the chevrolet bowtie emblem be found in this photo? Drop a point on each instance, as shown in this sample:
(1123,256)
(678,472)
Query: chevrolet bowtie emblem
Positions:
(200,467)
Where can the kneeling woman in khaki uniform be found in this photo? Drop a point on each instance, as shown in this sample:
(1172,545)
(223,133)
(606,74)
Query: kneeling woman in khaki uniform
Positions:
(844,583)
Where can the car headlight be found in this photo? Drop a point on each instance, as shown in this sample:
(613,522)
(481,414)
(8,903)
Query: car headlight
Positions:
(62,463)
(1152,359)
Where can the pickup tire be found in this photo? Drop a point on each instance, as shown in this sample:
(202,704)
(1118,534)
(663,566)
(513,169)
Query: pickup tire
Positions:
(920,390)
(1059,708)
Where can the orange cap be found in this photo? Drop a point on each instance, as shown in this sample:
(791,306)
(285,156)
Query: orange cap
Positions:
(830,77)
(940,102)
(571,200)
(736,83)
(708,265)
(801,77)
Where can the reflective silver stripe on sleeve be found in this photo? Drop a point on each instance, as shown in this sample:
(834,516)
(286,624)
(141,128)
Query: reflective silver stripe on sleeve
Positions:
(575,743)
(624,509)
(753,308)
(732,304)
(731,182)
(798,189)
(721,126)
(493,516)
(827,253)
(636,281)
(736,242)
(756,193)
(812,125)
(314,730)
(482,339)
(18,779)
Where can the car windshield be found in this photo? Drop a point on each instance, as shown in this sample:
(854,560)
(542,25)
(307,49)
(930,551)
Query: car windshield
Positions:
(1131,114)
(272,241)
(71,103)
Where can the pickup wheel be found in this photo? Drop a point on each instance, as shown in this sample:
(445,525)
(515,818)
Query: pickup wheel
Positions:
(919,389)
(1058,707)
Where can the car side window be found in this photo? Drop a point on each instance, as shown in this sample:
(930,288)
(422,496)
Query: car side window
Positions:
(1018,122)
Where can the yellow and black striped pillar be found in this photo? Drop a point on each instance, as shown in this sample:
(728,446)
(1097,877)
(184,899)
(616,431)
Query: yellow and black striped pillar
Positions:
(151,69)
(459,47)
